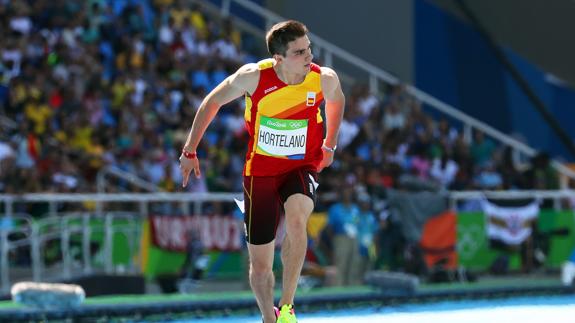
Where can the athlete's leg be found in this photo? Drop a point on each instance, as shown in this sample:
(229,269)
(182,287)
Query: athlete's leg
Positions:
(262,278)
(298,208)
(262,212)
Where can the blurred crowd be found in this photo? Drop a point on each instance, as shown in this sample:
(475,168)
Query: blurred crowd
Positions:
(102,83)
(99,83)
(384,142)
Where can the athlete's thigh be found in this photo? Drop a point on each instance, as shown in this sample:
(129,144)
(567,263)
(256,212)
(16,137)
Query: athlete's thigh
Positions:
(299,181)
(298,191)
(262,209)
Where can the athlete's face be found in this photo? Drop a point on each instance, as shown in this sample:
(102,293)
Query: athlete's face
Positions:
(298,55)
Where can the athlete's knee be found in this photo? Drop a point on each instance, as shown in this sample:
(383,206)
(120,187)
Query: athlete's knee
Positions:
(297,224)
(260,270)
(299,204)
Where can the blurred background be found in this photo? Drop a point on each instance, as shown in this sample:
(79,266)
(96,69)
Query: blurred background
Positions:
(454,171)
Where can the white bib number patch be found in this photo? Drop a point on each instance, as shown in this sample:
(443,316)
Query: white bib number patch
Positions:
(282,138)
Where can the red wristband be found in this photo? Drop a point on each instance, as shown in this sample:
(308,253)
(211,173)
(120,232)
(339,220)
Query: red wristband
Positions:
(189,155)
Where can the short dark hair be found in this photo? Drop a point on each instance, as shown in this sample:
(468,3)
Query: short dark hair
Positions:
(282,33)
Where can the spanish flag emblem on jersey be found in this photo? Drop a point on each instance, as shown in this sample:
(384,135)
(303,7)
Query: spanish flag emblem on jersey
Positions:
(310,99)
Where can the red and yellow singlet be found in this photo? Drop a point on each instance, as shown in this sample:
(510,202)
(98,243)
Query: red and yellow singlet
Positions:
(284,123)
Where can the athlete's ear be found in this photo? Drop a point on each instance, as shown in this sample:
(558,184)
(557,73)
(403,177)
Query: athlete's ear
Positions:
(278,57)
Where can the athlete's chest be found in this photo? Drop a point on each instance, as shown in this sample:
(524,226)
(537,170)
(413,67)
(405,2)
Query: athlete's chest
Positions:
(290,98)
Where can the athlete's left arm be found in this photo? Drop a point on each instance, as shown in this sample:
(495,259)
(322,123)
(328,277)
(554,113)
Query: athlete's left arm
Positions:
(334,108)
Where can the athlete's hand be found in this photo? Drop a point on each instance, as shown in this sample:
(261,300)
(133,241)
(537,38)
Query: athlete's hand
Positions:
(326,160)
(186,167)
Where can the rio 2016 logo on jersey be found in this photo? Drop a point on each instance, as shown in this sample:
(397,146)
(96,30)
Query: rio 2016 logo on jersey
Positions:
(310,101)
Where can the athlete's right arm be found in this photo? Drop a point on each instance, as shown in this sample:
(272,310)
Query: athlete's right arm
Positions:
(244,80)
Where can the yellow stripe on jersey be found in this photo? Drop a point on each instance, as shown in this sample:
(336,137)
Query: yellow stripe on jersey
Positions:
(248,110)
(266,63)
(253,149)
(296,109)
(290,96)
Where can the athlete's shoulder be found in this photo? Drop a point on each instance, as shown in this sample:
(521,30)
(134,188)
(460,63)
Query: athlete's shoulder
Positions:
(249,70)
(247,77)
(329,77)
(330,83)
(265,64)
(327,72)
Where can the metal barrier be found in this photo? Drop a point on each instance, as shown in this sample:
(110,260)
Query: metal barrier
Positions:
(62,227)
(67,228)
(557,196)
(63,232)
(15,231)
(118,174)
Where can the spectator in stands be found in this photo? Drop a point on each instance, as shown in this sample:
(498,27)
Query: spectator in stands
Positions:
(389,241)
(366,101)
(343,226)
(348,130)
(393,118)
(488,178)
(399,97)
(444,170)
(367,228)
(446,133)
(541,176)
(420,163)
(482,148)
(506,166)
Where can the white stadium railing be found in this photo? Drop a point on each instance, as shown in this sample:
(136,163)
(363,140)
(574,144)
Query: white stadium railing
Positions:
(21,231)
(118,174)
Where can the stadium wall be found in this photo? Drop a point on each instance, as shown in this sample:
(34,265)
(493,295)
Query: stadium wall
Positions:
(453,63)
(384,38)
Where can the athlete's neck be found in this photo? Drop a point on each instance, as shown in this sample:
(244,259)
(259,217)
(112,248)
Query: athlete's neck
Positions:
(287,77)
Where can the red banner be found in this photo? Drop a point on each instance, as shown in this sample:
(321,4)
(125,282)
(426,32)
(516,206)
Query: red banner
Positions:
(217,232)
(439,239)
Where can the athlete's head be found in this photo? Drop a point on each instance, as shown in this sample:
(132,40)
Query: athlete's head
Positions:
(282,33)
(287,41)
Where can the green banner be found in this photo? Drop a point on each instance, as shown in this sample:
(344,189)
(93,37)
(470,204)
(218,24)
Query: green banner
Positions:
(475,253)
(220,265)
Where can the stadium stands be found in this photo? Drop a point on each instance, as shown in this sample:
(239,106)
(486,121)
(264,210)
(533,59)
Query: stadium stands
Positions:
(116,83)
